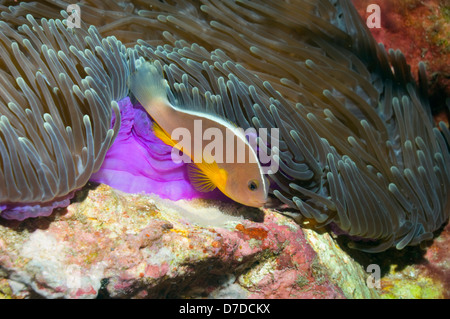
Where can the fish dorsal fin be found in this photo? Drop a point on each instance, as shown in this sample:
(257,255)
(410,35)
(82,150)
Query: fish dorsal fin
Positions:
(147,84)
(230,123)
(205,177)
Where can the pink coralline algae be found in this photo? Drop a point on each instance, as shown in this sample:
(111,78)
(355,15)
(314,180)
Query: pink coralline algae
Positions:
(292,273)
(117,245)
(136,246)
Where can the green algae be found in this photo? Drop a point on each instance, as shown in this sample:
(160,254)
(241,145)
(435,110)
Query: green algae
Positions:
(410,283)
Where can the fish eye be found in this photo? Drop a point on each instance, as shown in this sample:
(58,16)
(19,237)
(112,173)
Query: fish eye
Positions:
(253,185)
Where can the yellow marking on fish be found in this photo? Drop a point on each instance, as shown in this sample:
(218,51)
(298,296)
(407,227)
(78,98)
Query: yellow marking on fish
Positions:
(206,176)
(203,176)
(162,135)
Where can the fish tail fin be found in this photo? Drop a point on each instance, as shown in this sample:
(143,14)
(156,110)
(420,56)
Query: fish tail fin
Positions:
(147,85)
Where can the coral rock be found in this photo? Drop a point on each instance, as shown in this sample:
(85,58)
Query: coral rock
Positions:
(112,244)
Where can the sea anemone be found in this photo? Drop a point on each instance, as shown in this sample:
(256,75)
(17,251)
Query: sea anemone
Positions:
(58,90)
(357,144)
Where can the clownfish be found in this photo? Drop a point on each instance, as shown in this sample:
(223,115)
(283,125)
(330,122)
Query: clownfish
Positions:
(243,182)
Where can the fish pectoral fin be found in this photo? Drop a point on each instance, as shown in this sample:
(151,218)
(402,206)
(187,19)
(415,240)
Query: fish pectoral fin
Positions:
(205,177)
(199,179)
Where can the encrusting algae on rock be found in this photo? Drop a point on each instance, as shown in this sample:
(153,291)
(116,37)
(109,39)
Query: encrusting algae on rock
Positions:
(113,244)
(116,245)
